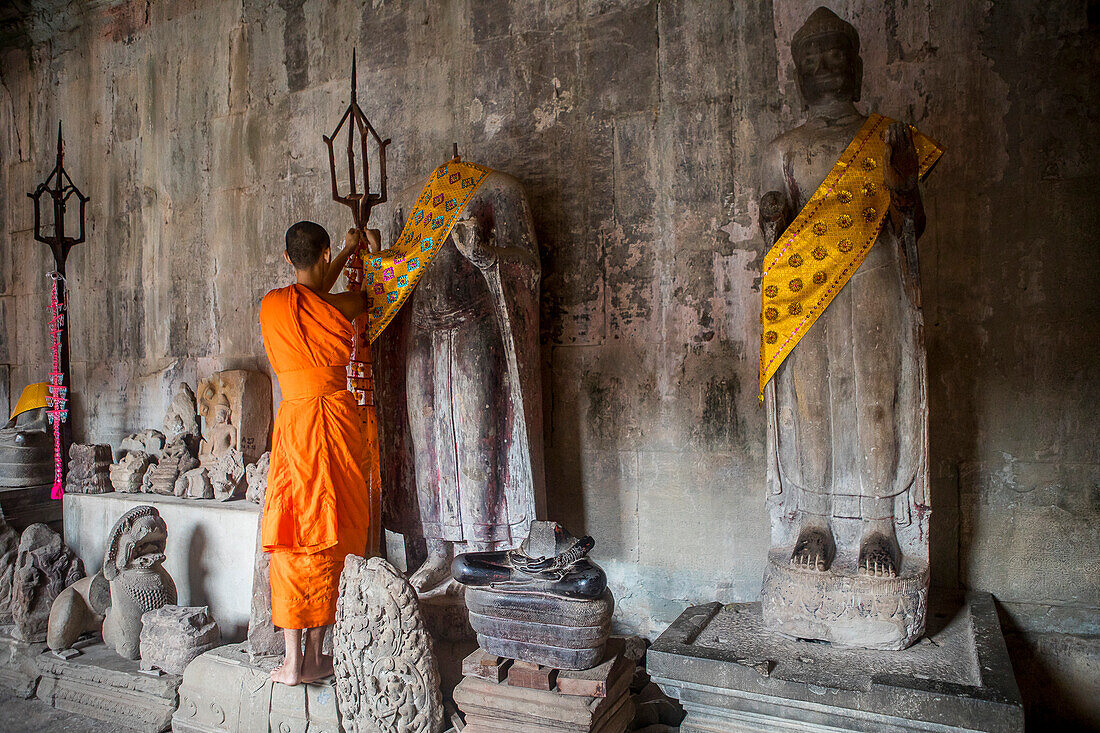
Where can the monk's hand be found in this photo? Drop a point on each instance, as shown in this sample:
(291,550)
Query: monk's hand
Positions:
(473,242)
(373,238)
(353,239)
(902,164)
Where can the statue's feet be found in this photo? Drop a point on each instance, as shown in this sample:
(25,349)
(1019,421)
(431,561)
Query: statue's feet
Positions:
(435,571)
(814,549)
(878,556)
(288,674)
(316,670)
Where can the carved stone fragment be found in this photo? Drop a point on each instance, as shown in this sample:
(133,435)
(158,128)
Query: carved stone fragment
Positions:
(235,407)
(227,476)
(182,418)
(127,475)
(256,478)
(44,568)
(177,459)
(147,441)
(89,469)
(195,484)
(386,675)
(172,636)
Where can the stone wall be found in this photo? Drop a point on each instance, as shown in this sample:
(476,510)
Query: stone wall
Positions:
(195,126)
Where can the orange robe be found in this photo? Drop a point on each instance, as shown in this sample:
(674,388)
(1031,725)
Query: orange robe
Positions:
(319,507)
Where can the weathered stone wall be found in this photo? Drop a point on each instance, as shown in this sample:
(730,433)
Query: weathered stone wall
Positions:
(195,126)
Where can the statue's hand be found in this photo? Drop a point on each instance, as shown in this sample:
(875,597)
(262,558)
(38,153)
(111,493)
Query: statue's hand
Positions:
(902,167)
(774,216)
(472,240)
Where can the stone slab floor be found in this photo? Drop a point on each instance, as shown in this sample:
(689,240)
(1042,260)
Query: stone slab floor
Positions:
(34,716)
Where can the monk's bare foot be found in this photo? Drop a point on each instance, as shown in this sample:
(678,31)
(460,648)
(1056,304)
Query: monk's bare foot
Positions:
(814,550)
(287,674)
(878,556)
(314,672)
(435,571)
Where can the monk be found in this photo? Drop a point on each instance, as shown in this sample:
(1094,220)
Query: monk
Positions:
(318,508)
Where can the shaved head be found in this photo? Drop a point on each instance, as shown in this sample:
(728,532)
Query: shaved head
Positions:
(305,243)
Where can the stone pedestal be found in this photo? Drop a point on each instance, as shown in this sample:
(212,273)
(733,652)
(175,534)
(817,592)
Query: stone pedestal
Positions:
(210,552)
(223,691)
(24,506)
(100,684)
(18,669)
(843,606)
(732,676)
(448,623)
(502,696)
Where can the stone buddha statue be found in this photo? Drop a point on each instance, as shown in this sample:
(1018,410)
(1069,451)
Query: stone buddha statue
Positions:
(457,376)
(26,444)
(846,409)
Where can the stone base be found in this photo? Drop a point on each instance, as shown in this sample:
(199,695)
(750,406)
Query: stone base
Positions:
(27,505)
(223,691)
(102,685)
(18,668)
(842,606)
(598,701)
(448,623)
(732,676)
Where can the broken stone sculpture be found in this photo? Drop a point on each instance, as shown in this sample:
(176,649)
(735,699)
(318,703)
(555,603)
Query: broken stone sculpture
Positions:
(194,484)
(172,636)
(89,469)
(177,459)
(26,450)
(227,476)
(256,478)
(131,583)
(127,475)
(475,309)
(544,603)
(181,421)
(386,673)
(235,407)
(847,411)
(9,552)
(43,569)
(147,441)
(263,638)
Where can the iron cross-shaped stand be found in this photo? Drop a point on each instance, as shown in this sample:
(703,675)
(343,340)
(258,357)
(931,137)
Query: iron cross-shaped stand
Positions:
(59,187)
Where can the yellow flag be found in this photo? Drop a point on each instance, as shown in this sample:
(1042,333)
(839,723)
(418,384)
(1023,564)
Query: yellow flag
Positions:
(828,241)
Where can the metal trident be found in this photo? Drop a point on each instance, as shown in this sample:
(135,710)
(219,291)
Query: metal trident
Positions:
(359,203)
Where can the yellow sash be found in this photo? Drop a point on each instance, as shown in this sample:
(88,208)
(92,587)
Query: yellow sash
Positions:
(828,241)
(389,276)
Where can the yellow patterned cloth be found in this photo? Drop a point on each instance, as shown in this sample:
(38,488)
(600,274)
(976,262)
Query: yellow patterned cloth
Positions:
(828,241)
(389,276)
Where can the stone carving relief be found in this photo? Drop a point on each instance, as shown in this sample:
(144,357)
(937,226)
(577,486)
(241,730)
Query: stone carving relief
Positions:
(386,674)
(128,474)
(235,407)
(227,476)
(181,421)
(177,459)
(256,477)
(89,469)
(44,568)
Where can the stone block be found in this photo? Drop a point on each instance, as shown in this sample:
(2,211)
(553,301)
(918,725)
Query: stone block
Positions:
(102,685)
(223,691)
(210,547)
(732,675)
(532,676)
(485,666)
(18,668)
(172,636)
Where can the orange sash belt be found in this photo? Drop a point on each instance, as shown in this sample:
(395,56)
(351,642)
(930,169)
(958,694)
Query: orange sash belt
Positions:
(303,384)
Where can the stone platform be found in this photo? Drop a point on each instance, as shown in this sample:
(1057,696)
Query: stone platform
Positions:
(732,676)
(210,553)
(100,684)
(223,691)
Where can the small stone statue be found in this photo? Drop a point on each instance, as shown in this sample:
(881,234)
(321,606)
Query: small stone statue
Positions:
(235,407)
(457,384)
(127,475)
(220,436)
(194,484)
(89,467)
(177,459)
(9,552)
(172,636)
(544,603)
(131,583)
(386,673)
(846,408)
(44,568)
(227,476)
(181,421)
(256,478)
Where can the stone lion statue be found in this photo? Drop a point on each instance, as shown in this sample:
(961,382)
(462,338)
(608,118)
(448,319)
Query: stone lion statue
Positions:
(132,582)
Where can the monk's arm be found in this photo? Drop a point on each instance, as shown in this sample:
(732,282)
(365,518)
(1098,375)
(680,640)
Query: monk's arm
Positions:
(351,304)
(352,241)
